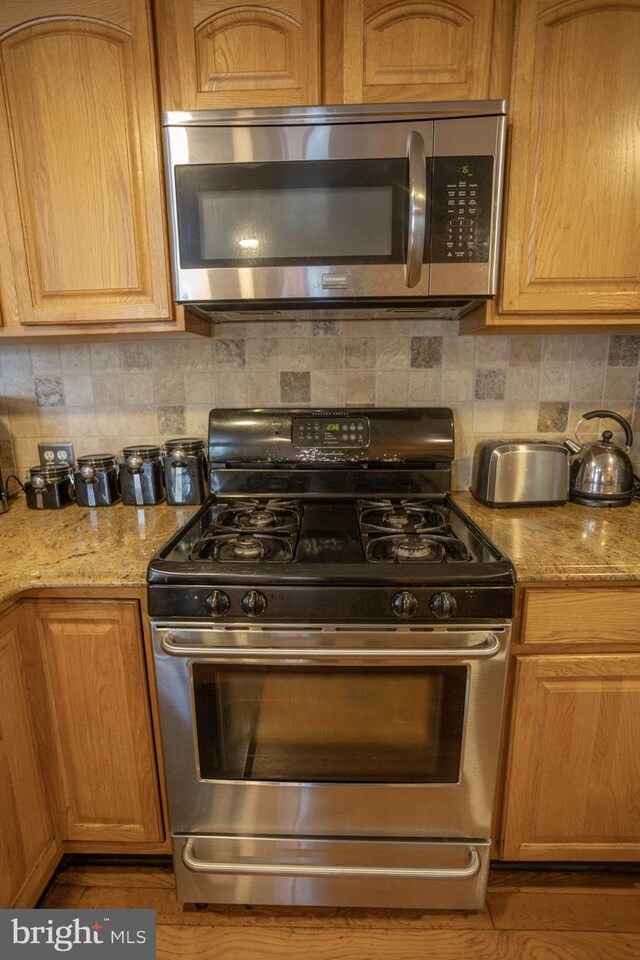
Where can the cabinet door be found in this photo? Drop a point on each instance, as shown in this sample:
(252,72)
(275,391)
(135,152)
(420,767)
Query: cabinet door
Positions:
(214,54)
(573,214)
(79,165)
(573,789)
(98,697)
(403,51)
(29,849)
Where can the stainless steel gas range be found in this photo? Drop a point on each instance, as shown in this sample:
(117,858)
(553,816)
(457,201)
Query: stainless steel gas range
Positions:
(330,638)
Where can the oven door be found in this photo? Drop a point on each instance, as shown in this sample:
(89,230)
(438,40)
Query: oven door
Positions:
(329,731)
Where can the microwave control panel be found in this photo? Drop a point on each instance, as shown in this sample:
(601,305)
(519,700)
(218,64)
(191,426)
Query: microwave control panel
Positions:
(461,203)
(325,432)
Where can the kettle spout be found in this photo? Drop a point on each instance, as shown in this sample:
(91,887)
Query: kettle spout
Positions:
(571,446)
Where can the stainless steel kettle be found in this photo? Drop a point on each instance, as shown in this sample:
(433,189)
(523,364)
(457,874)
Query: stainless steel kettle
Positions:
(601,472)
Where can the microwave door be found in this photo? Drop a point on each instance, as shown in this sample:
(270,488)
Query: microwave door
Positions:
(345,220)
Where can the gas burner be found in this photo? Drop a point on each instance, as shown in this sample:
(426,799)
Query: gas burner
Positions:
(408,531)
(407,516)
(404,549)
(272,516)
(243,548)
(257,518)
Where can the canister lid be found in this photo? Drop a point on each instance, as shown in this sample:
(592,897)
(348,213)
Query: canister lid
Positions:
(188,444)
(50,471)
(101,461)
(146,452)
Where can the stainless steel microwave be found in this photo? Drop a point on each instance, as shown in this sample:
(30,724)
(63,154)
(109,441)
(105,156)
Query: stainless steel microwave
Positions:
(350,210)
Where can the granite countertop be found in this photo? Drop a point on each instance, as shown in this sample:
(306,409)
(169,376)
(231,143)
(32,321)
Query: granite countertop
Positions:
(82,547)
(569,542)
(111,547)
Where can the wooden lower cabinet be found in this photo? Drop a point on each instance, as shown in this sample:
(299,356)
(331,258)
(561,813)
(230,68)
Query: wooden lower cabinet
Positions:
(573,780)
(100,717)
(29,846)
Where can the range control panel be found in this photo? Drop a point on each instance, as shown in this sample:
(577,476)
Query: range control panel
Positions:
(325,432)
(461,209)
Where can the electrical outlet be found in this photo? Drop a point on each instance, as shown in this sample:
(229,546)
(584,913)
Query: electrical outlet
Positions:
(56,453)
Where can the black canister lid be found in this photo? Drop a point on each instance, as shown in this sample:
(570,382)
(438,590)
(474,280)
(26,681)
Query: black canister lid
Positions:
(50,471)
(101,461)
(146,452)
(187,444)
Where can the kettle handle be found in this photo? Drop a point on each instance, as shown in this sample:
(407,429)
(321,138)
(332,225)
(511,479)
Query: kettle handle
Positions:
(610,415)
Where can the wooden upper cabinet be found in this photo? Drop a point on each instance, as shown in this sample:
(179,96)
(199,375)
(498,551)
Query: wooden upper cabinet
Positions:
(573,214)
(573,790)
(80,169)
(215,54)
(408,51)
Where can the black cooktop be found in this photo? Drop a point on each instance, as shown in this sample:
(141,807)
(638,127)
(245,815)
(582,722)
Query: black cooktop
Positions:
(278,540)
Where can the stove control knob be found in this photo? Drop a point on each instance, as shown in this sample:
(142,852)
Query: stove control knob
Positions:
(217,603)
(253,603)
(404,605)
(443,605)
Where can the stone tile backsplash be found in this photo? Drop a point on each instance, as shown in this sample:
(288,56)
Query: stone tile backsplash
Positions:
(105,395)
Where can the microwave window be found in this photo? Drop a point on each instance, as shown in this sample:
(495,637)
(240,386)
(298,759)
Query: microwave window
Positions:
(292,213)
(282,224)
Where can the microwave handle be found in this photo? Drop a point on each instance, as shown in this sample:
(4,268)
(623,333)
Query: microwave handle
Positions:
(417,208)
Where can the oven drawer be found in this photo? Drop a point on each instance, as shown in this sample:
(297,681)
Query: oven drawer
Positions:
(438,874)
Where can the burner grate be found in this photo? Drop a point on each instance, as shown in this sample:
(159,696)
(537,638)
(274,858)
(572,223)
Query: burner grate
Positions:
(407,531)
(251,531)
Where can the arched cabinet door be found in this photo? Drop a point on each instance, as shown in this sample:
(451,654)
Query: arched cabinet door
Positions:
(426,50)
(573,213)
(80,167)
(216,54)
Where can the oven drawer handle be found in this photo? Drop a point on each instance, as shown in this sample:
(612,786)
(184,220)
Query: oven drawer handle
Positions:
(489,647)
(470,869)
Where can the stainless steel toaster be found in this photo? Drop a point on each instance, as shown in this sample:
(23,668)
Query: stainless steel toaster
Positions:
(510,473)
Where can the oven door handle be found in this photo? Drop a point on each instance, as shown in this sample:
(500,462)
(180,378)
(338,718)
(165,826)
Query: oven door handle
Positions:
(489,647)
(469,870)
(417,208)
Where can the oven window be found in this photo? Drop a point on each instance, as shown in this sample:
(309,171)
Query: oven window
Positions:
(288,213)
(330,724)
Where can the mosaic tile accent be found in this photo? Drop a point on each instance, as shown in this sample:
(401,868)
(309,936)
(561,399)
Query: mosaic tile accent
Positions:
(171,421)
(325,328)
(49,392)
(229,353)
(426,351)
(295,387)
(360,353)
(136,356)
(552,416)
(624,350)
(490,384)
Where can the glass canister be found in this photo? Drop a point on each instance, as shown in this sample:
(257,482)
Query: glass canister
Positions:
(185,471)
(49,487)
(141,476)
(96,480)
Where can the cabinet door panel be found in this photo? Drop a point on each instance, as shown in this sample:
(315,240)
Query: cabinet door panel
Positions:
(573,216)
(432,50)
(574,775)
(99,701)
(214,54)
(26,836)
(80,165)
